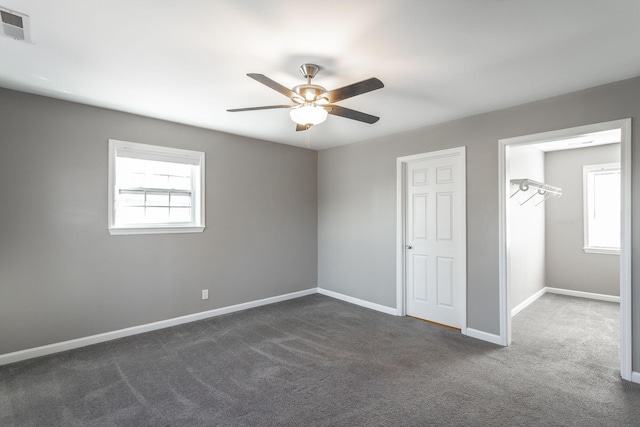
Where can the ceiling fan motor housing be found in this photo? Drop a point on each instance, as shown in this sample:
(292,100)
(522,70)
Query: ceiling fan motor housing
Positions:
(311,93)
(308,91)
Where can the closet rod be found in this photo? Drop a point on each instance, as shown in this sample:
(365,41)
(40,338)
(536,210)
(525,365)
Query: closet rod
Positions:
(525,184)
(545,190)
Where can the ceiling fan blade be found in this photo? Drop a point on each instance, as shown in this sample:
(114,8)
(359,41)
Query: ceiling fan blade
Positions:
(337,110)
(300,127)
(266,107)
(354,89)
(274,85)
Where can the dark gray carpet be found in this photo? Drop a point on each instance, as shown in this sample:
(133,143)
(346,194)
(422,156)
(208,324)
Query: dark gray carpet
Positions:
(318,361)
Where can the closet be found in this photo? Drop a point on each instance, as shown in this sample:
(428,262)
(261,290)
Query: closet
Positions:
(545,222)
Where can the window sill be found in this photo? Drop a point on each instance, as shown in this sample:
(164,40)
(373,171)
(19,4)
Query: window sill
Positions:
(602,251)
(155,230)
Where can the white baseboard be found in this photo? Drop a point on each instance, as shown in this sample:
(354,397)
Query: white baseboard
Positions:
(373,306)
(526,303)
(134,330)
(635,377)
(484,336)
(580,294)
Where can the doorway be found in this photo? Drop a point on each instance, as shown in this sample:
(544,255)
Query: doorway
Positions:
(431,260)
(505,145)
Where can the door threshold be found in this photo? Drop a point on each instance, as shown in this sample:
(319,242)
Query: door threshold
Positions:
(434,323)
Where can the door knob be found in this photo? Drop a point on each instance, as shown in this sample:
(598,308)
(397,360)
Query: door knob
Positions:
(409,247)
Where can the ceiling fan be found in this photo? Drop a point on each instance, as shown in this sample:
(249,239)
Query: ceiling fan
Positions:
(311,103)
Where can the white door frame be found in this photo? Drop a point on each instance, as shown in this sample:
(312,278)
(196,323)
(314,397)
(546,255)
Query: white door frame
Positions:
(625,244)
(401,165)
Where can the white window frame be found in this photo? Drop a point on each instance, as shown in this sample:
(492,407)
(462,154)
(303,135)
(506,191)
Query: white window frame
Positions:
(167,154)
(586,170)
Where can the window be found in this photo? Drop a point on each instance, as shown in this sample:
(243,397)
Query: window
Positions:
(602,208)
(155,189)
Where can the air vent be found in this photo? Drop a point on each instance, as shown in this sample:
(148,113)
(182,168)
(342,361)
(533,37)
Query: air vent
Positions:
(15,25)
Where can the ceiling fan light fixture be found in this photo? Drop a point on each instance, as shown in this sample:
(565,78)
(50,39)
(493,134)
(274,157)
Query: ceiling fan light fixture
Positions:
(308,114)
(309,95)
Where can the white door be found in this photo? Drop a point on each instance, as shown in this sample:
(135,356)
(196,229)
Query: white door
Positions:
(435,239)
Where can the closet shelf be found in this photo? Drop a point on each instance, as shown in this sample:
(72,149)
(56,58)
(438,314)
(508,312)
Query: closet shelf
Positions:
(544,190)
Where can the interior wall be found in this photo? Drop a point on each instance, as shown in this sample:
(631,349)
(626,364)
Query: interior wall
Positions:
(568,265)
(526,226)
(62,276)
(357,196)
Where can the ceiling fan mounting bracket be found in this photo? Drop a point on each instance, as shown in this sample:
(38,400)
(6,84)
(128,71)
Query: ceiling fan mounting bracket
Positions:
(309,71)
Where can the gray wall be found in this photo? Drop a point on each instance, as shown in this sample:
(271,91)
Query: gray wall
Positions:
(568,265)
(526,225)
(357,196)
(62,276)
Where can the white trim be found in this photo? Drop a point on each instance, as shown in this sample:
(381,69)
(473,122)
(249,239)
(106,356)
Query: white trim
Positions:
(503,244)
(626,341)
(626,307)
(484,336)
(526,303)
(635,377)
(400,253)
(401,165)
(602,251)
(134,330)
(548,290)
(463,231)
(581,294)
(360,302)
(122,231)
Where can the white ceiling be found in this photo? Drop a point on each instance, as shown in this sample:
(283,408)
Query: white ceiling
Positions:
(439,59)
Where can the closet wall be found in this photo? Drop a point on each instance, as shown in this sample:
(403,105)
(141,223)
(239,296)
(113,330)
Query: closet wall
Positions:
(526,223)
(568,266)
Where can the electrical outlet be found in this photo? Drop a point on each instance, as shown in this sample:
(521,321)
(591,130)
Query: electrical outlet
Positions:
(205,294)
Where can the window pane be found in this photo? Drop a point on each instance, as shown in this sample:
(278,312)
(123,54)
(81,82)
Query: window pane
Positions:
(156,181)
(180,214)
(130,215)
(180,199)
(156,168)
(178,169)
(157,215)
(131,198)
(128,166)
(129,173)
(132,180)
(157,199)
(604,209)
(179,183)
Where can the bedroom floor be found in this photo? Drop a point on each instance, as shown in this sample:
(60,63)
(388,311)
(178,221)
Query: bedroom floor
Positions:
(322,362)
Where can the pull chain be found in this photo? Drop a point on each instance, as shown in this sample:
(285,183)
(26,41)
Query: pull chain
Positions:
(308,140)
